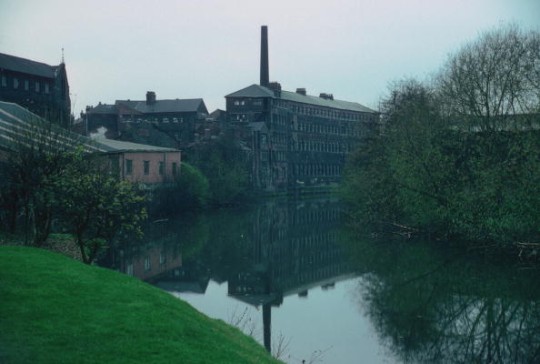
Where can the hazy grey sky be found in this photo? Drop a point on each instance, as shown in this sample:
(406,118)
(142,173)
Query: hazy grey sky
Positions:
(119,49)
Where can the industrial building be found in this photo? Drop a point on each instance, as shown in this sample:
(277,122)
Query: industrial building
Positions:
(296,139)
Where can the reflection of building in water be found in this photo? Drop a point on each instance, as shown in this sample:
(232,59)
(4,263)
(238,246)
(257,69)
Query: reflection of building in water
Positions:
(294,248)
(190,277)
(145,261)
(159,253)
(160,265)
(158,259)
(286,248)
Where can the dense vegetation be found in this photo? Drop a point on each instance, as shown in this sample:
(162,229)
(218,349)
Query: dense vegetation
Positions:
(459,156)
(213,174)
(49,182)
(226,168)
(57,310)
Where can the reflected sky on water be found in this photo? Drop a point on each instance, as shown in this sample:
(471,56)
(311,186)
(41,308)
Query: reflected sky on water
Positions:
(292,276)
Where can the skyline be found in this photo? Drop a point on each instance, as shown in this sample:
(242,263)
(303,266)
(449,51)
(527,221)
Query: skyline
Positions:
(209,48)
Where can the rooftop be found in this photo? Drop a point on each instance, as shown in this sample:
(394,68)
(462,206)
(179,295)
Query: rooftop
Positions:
(111,145)
(23,65)
(18,125)
(164,106)
(257,91)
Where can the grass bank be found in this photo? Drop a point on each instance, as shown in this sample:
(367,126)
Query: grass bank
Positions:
(56,310)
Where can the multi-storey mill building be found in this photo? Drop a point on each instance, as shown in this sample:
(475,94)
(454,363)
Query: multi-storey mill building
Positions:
(296,139)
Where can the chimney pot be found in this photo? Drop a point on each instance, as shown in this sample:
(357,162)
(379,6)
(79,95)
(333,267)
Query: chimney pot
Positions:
(150,97)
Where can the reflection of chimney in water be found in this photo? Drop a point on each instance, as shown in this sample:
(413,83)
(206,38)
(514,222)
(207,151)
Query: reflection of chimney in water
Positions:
(267,326)
(265,73)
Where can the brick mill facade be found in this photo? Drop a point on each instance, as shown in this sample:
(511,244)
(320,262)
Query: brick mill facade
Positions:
(296,139)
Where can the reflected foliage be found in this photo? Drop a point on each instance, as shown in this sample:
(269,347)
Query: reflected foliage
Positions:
(431,304)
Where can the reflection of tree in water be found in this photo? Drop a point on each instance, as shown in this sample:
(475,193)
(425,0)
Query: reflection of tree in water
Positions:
(430,308)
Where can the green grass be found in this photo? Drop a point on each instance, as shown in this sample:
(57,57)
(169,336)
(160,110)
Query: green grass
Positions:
(56,310)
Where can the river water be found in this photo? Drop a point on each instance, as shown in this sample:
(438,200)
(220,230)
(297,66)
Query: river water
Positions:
(294,277)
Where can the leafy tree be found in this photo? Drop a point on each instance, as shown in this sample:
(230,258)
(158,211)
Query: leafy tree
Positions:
(460,157)
(490,90)
(96,206)
(225,166)
(369,187)
(413,136)
(193,187)
(190,192)
(40,152)
(48,177)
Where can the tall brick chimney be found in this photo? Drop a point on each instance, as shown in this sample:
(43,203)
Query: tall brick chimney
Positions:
(265,73)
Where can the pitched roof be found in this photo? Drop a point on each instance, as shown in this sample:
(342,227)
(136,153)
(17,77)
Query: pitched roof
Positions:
(164,106)
(319,101)
(18,125)
(102,109)
(23,65)
(111,145)
(253,91)
(258,91)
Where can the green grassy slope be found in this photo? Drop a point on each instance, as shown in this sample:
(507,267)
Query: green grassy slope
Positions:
(57,310)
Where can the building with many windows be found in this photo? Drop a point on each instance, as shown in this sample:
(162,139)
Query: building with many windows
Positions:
(296,139)
(150,166)
(169,123)
(36,86)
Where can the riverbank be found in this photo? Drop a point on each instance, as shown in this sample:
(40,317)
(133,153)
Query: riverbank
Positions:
(56,310)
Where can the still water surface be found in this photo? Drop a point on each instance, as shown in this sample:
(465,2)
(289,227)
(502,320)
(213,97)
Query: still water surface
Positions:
(291,275)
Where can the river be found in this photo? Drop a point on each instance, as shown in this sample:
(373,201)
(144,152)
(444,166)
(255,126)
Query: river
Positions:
(291,275)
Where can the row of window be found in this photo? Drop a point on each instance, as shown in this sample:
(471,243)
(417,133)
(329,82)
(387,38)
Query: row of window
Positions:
(146,167)
(318,128)
(154,120)
(255,102)
(25,84)
(321,215)
(317,169)
(310,146)
(302,109)
(313,127)
(315,241)
(306,109)
(147,264)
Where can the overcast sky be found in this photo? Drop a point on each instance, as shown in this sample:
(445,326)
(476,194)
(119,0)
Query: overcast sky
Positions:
(116,49)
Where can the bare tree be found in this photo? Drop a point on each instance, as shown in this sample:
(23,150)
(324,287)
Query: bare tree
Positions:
(490,81)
